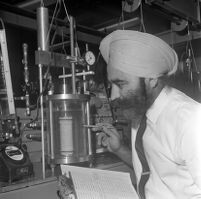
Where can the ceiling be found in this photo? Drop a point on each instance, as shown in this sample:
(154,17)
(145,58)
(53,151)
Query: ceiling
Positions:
(90,13)
(95,14)
(97,17)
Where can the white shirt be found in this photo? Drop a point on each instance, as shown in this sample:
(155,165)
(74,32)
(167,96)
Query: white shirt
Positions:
(172,144)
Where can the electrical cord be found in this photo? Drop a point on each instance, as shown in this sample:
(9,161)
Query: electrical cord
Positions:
(51,23)
(121,18)
(67,15)
(2,24)
(142,26)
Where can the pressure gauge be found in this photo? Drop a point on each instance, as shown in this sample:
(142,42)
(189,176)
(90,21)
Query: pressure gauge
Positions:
(90,58)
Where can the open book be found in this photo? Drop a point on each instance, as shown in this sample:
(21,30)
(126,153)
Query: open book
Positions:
(90,183)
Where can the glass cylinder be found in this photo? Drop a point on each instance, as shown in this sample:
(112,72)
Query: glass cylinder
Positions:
(69,139)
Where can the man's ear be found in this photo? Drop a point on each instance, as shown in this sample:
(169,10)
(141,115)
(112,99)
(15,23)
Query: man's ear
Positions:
(151,82)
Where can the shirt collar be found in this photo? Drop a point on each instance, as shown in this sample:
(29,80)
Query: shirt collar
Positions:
(158,105)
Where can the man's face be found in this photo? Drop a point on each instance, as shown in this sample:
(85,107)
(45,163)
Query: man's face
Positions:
(129,94)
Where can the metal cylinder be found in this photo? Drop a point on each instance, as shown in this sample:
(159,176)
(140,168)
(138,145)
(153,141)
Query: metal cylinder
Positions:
(42,28)
(72,53)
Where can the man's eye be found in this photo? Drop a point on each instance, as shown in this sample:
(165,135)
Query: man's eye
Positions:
(120,84)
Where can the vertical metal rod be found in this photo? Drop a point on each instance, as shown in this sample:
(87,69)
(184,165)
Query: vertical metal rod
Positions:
(85,83)
(43,44)
(52,156)
(88,129)
(87,49)
(42,120)
(198,10)
(72,53)
(64,83)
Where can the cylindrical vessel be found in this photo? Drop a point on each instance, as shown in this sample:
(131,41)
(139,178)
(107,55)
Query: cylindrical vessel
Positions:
(69,138)
(42,28)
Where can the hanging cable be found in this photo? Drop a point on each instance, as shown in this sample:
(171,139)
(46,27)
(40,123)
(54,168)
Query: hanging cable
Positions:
(51,24)
(121,18)
(142,26)
(55,32)
(62,40)
(76,42)
(190,67)
(192,51)
(193,57)
(42,3)
(67,15)
(64,50)
(2,23)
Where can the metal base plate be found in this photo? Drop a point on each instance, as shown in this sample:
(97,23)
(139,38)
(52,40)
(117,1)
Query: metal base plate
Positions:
(70,159)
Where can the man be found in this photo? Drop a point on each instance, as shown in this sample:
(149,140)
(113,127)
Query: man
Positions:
(136,64)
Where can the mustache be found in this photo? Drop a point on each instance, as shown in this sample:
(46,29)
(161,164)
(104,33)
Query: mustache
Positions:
(121,103)
(126,103)
(132,100)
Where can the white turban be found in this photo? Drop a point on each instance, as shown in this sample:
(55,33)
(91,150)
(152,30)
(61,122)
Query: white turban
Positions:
(137,53)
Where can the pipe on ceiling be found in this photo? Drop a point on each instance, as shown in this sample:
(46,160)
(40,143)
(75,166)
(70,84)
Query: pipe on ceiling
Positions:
(33,4)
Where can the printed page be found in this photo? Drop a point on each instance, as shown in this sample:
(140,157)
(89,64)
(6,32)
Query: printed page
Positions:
(90,183)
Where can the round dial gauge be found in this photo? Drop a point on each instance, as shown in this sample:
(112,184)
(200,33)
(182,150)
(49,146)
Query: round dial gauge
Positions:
(90,58)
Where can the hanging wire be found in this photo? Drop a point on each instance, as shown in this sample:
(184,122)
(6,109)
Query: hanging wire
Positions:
(55,32)
(2,23)
(193,56)
(190,62)
(64,50)
(173,47)
(67,15)
(121,18)
(76,40)
(171,37)
(62,40)
(142,26)
(189,44)
(184,54)
(51,24)
(76,43)
(55,14)
(42,3)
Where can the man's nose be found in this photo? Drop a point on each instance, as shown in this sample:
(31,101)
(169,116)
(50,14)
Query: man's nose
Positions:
(114,92)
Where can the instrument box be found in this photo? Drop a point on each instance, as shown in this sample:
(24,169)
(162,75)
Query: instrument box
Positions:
(14,164)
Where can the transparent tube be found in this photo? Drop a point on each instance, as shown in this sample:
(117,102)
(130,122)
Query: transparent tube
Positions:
(66,120)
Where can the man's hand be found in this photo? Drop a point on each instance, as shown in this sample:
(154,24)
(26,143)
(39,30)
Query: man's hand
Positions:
(112,139)
(65,186)
(109,137)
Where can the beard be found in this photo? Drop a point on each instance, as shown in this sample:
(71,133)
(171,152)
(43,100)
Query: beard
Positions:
(134,104)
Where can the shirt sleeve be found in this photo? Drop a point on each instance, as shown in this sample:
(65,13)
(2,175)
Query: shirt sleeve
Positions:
(191,147)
